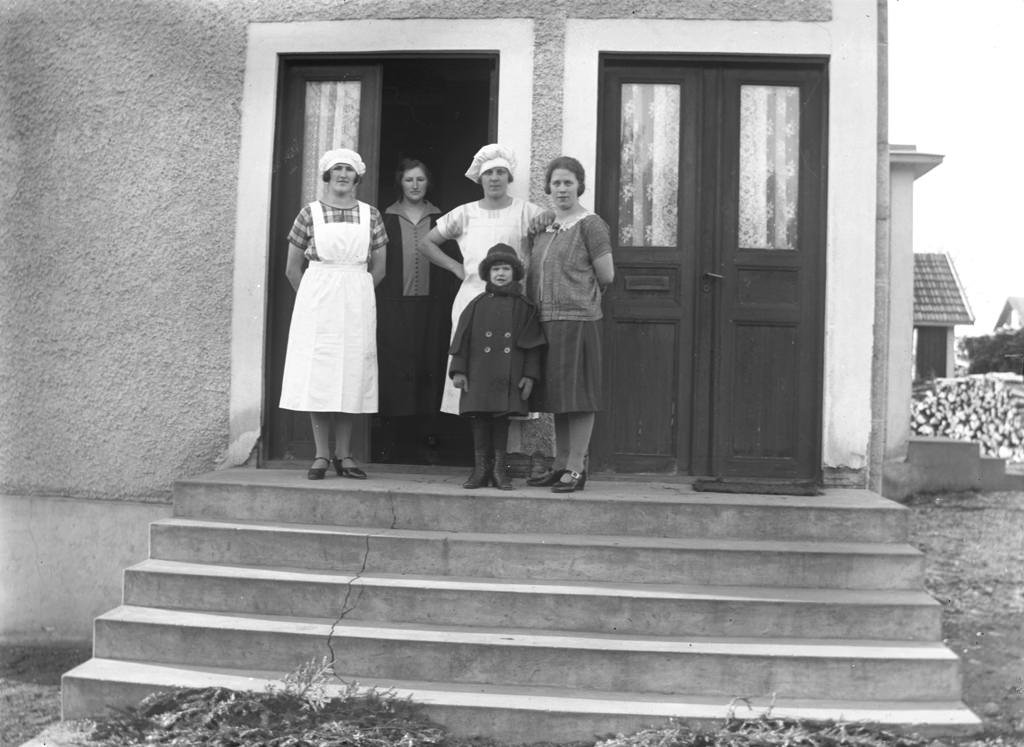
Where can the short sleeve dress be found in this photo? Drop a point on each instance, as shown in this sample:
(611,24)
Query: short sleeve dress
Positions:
(563,284)
(476,230)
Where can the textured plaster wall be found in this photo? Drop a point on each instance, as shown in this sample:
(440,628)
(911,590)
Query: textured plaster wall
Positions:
(120,123)
(120,129)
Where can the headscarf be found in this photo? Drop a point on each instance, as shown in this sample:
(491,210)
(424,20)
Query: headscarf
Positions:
(332,158)
(489,157)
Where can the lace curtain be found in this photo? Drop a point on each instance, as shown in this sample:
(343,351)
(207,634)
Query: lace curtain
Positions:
(332,121)
(649,165)
(769,159)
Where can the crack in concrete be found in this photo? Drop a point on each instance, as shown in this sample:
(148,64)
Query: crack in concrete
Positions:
(345,607)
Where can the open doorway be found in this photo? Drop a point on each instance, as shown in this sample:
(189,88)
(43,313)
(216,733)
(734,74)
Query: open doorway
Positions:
(436,109)
(439,112)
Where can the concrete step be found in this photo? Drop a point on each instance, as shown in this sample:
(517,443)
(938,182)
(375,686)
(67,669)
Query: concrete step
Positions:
(606,507)
(548,557)
(726,667)
(602,607)
(513,714)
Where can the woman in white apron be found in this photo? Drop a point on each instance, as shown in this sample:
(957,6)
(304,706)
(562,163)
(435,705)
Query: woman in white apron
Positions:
(330,368)
(497,218)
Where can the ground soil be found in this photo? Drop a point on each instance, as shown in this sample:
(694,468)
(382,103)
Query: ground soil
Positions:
(30,687)
(974,545)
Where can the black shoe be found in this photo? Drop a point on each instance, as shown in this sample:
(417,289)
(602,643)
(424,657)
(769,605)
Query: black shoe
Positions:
(570,482)
(353,473)
(480,477)
(499,472)
(317,473)
(546,480)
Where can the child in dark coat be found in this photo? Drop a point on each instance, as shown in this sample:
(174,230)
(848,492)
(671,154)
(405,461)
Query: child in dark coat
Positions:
(496,358)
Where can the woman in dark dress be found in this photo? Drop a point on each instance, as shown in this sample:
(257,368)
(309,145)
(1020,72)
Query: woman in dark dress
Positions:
(413,303)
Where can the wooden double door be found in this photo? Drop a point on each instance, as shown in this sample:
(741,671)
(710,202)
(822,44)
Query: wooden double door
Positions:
(711,176)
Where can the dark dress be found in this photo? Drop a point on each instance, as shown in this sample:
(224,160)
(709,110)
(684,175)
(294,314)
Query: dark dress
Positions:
(413,319)
(497,342)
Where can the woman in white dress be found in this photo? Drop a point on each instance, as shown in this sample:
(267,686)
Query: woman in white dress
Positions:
(497,218)
(335,259)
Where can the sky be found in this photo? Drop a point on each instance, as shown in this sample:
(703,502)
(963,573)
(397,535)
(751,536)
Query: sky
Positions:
(956,76)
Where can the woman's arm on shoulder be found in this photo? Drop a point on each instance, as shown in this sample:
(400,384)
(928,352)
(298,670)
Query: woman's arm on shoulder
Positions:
(538,218)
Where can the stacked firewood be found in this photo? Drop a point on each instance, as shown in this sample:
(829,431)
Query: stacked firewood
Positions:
(986,408)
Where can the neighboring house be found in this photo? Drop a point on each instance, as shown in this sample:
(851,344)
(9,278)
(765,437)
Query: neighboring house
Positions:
(896,333)
(156,159)
(1012,315)
(940,303)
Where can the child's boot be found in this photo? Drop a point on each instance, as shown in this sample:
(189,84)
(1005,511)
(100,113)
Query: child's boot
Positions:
(500,474)
(481,474)
(499,437)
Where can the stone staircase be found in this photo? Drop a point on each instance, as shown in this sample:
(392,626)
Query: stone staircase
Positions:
(531,616)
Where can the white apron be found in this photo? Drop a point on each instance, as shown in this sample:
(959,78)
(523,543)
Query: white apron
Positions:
(331,361)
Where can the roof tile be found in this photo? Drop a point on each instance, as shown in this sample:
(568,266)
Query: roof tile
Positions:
(939,297)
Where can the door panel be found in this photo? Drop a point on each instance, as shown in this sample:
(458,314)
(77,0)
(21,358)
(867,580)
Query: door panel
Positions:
(711,177)
(643,429)
(650,153)
(768,377)
(321,107)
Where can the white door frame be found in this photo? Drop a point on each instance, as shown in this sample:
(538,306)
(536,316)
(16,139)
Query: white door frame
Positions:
(266,43)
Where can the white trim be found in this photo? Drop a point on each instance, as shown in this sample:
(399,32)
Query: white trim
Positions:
(266,41)
(849,40)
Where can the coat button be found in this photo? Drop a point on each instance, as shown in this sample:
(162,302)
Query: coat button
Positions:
(487,349)
(508,334)
(508,350)
(488,333)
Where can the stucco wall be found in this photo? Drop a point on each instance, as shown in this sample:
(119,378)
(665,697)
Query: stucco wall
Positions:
(121,128)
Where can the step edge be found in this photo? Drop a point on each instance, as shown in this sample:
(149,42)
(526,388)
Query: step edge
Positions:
(555,700)
(655,591)
(672,495)
(782,648)
(825,547)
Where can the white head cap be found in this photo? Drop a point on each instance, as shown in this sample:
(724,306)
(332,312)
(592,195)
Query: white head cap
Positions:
(489,157)
(332,158)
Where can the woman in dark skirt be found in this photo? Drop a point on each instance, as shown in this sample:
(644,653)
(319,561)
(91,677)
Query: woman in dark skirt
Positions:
(570,266)
(413,303)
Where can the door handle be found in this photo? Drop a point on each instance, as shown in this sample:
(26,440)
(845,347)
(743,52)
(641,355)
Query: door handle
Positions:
(706,279)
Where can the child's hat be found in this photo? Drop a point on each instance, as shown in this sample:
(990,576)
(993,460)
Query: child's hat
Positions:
(503,254)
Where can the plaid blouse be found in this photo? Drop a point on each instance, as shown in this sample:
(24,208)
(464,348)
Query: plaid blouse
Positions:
(301,235)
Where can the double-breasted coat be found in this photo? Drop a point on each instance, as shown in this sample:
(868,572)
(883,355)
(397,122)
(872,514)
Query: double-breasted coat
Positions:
(497,342)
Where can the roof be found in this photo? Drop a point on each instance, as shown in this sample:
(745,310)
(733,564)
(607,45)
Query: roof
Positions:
(939,298)
(1013,303)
